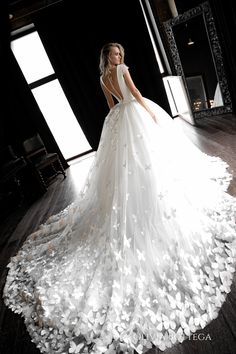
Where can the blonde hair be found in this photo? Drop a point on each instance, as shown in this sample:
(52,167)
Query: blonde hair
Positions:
(104,56)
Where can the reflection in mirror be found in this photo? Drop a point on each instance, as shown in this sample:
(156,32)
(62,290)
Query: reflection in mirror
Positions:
(197,62)
(196,54)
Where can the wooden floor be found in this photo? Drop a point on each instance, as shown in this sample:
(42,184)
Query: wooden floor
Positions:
(215,136)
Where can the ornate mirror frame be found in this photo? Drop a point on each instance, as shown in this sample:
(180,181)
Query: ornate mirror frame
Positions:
(205,10)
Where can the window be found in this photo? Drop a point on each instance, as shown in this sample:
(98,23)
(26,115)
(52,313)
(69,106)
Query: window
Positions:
(39,74)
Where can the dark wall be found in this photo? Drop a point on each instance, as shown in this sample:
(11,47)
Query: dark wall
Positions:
(4,64)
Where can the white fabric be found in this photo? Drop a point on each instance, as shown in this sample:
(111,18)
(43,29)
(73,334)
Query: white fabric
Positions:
(218,100)
(145,256)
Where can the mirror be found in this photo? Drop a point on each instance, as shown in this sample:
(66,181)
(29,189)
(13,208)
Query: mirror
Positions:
(197,57)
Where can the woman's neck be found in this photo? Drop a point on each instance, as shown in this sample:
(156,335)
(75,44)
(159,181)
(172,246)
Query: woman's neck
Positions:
(111,67)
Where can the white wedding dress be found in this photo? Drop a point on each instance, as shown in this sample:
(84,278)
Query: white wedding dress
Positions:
(144,257)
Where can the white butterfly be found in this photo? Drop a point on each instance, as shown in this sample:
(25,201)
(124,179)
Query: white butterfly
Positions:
(115,208)
(100,319)
(172,336)
(145,302)
(127,241)
(189,326)
(175,302)
(116,334)
(168,322)
(212,312)
(225,288)
(118,255)
(162,292)
(139,349)
(100,349)
(125,316)
(230,268)
(200,320)
(116,285)
(172,284)
(116,226)
(90,316)
(201,276)
(208,289)
(77,293)
(167,216)
(141,256)
(160,196)
(134,218)
(155,317)
(140,281)
(226,278)
(43,332)
(196,261)
(162,346)
(180,335)
(75,348)
(134,338)
(148,167)
(166,341)
(202,301)
(129,289)
(221,261)
(117,300)
(219,249)
(219,298)
(127,270)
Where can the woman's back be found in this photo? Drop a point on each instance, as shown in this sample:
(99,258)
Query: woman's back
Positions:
(110,81)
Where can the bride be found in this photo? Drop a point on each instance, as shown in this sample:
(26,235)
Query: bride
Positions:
(145,256)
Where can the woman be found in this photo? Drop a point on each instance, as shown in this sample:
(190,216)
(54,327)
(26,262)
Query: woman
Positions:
(145,257)
(112,55)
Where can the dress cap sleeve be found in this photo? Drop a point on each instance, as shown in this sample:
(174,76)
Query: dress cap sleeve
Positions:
(124,68)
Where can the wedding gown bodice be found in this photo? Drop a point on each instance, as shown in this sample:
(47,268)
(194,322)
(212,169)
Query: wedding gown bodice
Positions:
(126,94)
(144,256)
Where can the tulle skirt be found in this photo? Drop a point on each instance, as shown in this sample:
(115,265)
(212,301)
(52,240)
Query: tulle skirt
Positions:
(146,254)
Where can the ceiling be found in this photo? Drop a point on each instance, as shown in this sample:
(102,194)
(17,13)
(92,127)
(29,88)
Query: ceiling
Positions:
(20,11)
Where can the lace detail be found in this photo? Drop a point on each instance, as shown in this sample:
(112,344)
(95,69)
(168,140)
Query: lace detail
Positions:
(144,257)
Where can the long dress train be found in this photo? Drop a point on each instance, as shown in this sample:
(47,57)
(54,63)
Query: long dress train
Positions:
(144,257)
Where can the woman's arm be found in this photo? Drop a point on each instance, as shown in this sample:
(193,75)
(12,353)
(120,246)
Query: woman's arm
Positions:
(135,92)
(108,96)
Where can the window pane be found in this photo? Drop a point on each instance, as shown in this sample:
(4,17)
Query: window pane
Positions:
(31,57)
(60,119)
